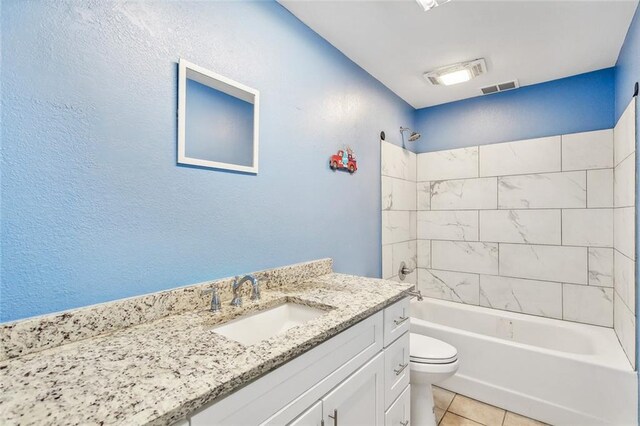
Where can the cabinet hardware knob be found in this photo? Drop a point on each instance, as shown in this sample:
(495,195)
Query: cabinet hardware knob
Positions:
(401,369)
(334,417)
(400,320)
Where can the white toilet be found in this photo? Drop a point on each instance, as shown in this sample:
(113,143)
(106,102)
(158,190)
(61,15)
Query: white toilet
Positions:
(432,361)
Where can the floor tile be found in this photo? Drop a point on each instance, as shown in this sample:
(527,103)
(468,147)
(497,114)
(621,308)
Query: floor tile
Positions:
(442,398)
(439,414)
(513,419)
(478,411)
(451,419)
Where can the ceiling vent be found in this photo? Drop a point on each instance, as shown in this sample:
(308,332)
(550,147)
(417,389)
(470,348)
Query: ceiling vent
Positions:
(502,87)
(456,73)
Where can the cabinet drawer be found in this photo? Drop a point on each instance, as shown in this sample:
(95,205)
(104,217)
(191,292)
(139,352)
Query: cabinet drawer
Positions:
(396,321)
(400,411)
(396,369)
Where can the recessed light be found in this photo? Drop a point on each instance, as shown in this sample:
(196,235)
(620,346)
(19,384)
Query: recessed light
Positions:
(456,73)
(455,77)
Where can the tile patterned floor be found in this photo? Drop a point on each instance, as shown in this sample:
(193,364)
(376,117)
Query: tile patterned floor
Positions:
(453,409)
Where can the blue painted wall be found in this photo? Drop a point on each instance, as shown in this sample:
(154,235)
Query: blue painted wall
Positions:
(627,69)
(574,104)
(94,207)
(218,127)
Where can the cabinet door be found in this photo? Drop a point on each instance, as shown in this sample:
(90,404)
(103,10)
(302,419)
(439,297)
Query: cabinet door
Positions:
(359,400)
(311,417)
(400,411)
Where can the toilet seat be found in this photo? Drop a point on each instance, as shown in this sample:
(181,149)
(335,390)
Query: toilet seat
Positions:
(427,350)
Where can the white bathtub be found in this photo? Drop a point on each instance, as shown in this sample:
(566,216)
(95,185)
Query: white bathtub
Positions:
(559,372)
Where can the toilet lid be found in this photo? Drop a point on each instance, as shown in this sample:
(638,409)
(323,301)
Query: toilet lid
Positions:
(427,350)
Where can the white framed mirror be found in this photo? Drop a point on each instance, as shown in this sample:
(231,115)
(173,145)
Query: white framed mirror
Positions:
(218,120)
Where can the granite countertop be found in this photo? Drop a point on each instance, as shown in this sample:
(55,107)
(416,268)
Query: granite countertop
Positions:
(163,370)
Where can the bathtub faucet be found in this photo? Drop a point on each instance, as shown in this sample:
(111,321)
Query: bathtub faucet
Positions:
(415,293)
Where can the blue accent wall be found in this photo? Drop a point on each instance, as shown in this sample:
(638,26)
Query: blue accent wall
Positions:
(94,207)
(574,104)
(627,69)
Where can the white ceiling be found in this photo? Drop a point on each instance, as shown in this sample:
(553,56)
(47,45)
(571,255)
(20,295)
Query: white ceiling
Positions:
(532,41)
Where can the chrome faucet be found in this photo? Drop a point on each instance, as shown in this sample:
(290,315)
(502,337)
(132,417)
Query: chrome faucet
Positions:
(237,283)
(215,298)
(415,293)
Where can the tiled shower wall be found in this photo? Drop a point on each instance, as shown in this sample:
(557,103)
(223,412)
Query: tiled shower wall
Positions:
(624,253)
(398,211)
(524,226)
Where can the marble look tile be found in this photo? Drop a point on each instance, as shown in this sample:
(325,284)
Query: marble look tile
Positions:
(588,150)
(423,195)
(397,162)
(600,188)
(587,304)
(624,134)
(398,226)
(464,194)
(521,157)
(587,227)
(404,252)
(398,194)
(624,279)
(601,267)
(521,226)
(624,324)
(513,419)
(411,278)
(545,263)
(460,225)
(451,419)
(552,190)
(424,253)
(448,164)
(475,257)
(477,411)
(542,298)
(624,182)
(454,286)
(442,398)
(624,231)
(387,261)
(439,412)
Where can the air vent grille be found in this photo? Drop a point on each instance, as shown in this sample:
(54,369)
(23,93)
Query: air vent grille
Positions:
(501,87)
(489,90)
(477,69)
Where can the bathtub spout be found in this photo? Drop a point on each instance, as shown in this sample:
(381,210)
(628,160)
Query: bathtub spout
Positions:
(415,293)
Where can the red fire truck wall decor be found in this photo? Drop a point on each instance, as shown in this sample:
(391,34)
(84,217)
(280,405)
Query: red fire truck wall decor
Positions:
(345,159)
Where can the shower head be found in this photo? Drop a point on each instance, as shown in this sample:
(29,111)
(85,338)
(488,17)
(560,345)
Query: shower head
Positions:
(413,136)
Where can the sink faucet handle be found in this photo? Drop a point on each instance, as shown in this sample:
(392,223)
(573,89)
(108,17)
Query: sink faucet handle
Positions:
(255,293)
(215,297)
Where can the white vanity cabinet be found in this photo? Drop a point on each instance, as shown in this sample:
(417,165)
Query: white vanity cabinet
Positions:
(354,378)
(359,400)
(311,417)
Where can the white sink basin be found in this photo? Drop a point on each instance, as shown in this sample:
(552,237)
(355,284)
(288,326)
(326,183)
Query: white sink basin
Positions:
(262,325)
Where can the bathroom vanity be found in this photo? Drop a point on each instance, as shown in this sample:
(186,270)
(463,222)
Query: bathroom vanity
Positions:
(360,376)
(165,358)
